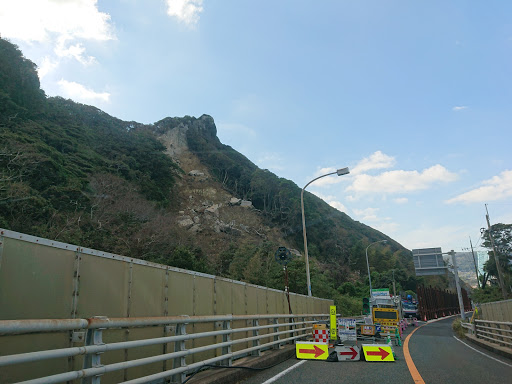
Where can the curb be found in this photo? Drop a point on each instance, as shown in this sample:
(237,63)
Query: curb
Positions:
(502,351)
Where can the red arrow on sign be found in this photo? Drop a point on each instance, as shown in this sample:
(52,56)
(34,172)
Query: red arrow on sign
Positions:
(353,353)
(382,353)
(317,351)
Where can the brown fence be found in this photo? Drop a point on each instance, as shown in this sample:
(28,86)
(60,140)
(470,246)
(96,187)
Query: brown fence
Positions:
(434,303)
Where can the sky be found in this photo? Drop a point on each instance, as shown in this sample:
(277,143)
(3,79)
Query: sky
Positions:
(414,97)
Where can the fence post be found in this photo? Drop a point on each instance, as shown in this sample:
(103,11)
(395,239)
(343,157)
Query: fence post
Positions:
(179,346)
(93,360)
(276,337)
(256,343)
(226,325)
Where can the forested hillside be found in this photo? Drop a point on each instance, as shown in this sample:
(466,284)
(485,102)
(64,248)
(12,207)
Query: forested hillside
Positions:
(72,173)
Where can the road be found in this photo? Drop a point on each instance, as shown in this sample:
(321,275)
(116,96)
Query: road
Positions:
(437,355)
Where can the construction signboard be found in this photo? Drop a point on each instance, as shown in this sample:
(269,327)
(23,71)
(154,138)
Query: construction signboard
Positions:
(378,352)
(347,329)
(367,330)
(311,351)
(347,352)
(385,316)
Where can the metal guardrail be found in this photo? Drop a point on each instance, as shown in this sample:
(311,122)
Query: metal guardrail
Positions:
(469,327)
(274,334)
(499,332)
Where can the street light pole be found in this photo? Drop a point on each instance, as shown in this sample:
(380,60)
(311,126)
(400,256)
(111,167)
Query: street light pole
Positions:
(457,285)
(339,172)
(368,265)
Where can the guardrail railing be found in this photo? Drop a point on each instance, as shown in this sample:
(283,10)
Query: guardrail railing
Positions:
(212,340)
(499,332)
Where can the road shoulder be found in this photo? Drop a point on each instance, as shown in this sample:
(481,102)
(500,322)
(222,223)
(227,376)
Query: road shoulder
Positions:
(499,350)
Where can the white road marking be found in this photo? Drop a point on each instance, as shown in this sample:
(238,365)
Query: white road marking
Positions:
(474,349)
(272,379)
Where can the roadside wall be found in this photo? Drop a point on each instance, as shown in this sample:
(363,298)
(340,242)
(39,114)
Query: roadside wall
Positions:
(496,311)
(44,279)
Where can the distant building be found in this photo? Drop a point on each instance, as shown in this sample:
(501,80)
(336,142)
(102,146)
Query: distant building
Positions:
(482,257)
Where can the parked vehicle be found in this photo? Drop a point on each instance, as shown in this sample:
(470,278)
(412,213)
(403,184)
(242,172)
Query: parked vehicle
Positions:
(409,309)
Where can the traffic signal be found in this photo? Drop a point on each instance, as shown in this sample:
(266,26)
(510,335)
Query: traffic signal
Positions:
(366,306)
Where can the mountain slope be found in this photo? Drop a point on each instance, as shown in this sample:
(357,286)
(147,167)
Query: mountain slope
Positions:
(169,192)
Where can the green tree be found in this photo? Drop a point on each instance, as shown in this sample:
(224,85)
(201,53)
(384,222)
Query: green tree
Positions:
(502,236)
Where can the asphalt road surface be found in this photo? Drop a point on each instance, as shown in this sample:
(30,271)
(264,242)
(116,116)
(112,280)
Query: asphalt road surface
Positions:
(438,356)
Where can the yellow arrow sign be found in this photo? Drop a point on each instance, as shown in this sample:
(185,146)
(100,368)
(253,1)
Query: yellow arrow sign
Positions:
(310,350)
(375,352)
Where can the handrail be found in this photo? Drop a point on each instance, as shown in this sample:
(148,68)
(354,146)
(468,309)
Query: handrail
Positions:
(494,322)
(294,327)
(493,331)
(56,325)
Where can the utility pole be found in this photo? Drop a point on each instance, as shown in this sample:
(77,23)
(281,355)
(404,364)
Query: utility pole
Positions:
(457,284)
(474,261)
(394,287)
(498,265)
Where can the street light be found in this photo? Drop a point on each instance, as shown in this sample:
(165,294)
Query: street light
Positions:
(368,265)
(457,284)
(339,172)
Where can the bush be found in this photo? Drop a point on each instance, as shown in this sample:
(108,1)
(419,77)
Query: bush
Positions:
(457,328)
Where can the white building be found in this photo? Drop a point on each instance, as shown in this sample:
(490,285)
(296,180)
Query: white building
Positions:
(482,257)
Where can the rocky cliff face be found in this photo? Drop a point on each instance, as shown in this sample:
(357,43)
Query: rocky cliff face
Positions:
(206,208)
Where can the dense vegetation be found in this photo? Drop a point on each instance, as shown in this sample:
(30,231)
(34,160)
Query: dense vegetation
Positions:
(490,289)
(56,157)
(72,173)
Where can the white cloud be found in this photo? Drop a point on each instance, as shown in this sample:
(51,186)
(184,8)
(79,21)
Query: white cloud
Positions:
(447,237)
(76,52)
(338,205)
(402,181)
(41,20)
(47,65)
(386,227)
(497,188)
(377,160)
(80,93)
(186,11)
(383,224)
(57,26)
(367,214)
(331,200)
(271,161)
(460,108)
(401,200)
(328,180)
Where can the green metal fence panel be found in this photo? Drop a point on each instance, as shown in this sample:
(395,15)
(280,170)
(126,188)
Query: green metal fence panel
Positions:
(146,291)
(31,343)
(224,297)
(253,294)
(36,281)
(40,278)
(203,306)
(104,287)
(181,294)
